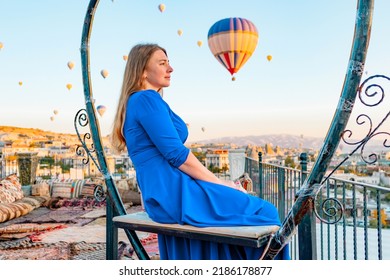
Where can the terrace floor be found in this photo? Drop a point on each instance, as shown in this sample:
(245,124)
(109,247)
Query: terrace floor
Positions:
(66,233)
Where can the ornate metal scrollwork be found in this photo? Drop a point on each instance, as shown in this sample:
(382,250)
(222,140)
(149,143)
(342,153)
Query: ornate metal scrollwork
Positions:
(370,95)
(329,210)
(99,193)
(87,149)
(83,150)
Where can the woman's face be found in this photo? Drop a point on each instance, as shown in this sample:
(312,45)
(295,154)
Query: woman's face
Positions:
(158,71)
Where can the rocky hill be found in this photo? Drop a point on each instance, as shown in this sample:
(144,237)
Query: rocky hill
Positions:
(281,140)
(374,145)
(12,132)
(21,134)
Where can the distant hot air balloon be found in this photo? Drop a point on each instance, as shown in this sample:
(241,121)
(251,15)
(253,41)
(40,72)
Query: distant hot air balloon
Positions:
(161,7)
(180,32)
(269,57)
(200,43)
(55,112)
(101,110)
(69,86)
(125,57)
(203,129)
(52,118)
(1,46)
(104,73)
(20,83)
(232,41)
(70,65)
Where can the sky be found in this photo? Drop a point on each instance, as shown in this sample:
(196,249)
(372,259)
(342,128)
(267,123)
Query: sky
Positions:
(294,93)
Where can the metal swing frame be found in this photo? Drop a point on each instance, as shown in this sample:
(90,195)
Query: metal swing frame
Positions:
(276,237)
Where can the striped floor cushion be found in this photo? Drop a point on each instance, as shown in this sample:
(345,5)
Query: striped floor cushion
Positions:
(9,211)
(88,190)
(62,189)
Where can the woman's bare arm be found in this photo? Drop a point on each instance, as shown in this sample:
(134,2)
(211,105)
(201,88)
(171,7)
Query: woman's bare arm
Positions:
(195,169)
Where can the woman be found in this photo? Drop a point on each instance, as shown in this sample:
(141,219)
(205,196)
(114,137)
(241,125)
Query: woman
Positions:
(175,186)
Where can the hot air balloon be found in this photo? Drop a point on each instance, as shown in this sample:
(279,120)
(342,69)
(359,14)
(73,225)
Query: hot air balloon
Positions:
(69,86)
(161,7)
(1,46)
(104,73)
(203,129)
(52,118)
(55,112)
(20,83)
(269,57)
(125,57)
(180,32)
(70,65)
(101,110)
(232,41)
(200,43)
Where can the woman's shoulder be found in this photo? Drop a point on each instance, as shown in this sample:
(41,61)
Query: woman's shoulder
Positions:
(147,98)
(147,94)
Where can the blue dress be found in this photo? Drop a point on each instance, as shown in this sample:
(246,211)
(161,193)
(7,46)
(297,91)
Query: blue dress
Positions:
(154,137)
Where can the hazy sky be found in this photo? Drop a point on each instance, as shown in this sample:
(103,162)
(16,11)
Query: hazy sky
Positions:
(295,93)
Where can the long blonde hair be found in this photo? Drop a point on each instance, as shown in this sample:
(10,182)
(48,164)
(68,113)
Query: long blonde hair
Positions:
(137,60)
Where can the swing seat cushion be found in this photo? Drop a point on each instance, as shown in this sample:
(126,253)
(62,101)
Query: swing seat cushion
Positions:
(254,236)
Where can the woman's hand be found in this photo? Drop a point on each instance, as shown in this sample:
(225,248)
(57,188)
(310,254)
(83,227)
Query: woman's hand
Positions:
(195,169)
(234,185)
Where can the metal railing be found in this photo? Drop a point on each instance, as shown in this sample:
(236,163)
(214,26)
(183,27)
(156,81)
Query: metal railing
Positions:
(363,231)
(8,167)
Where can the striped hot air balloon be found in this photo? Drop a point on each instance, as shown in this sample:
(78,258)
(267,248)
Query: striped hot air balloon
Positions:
(232,41)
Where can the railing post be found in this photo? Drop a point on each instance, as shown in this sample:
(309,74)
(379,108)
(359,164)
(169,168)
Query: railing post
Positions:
(307,227)
(281,193)
(111,232)
(260,154)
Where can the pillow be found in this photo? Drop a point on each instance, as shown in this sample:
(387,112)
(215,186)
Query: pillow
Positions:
(88,190)
(122,185)
(10,211)
(26,190)
(40,189)
(78,186)
(34,201)
(7,211)
(5,195)
(14,179)
(62,189)
(12,185)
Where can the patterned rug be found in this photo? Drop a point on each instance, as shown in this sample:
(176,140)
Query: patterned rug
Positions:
(22,238)
(46,215)
(30,230)
(24,249)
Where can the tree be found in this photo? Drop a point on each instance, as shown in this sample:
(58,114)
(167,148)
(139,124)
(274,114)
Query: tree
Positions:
(374,215)
(289,162)
(47,160)
(200,156)
(225,168)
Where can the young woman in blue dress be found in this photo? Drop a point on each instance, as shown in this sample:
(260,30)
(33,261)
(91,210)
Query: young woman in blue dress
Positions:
(176,187)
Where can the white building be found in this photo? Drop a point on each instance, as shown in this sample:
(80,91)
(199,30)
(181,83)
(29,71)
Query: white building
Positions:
(217,158)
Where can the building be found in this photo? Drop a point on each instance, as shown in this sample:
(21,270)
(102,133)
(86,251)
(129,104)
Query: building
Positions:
(218,158)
